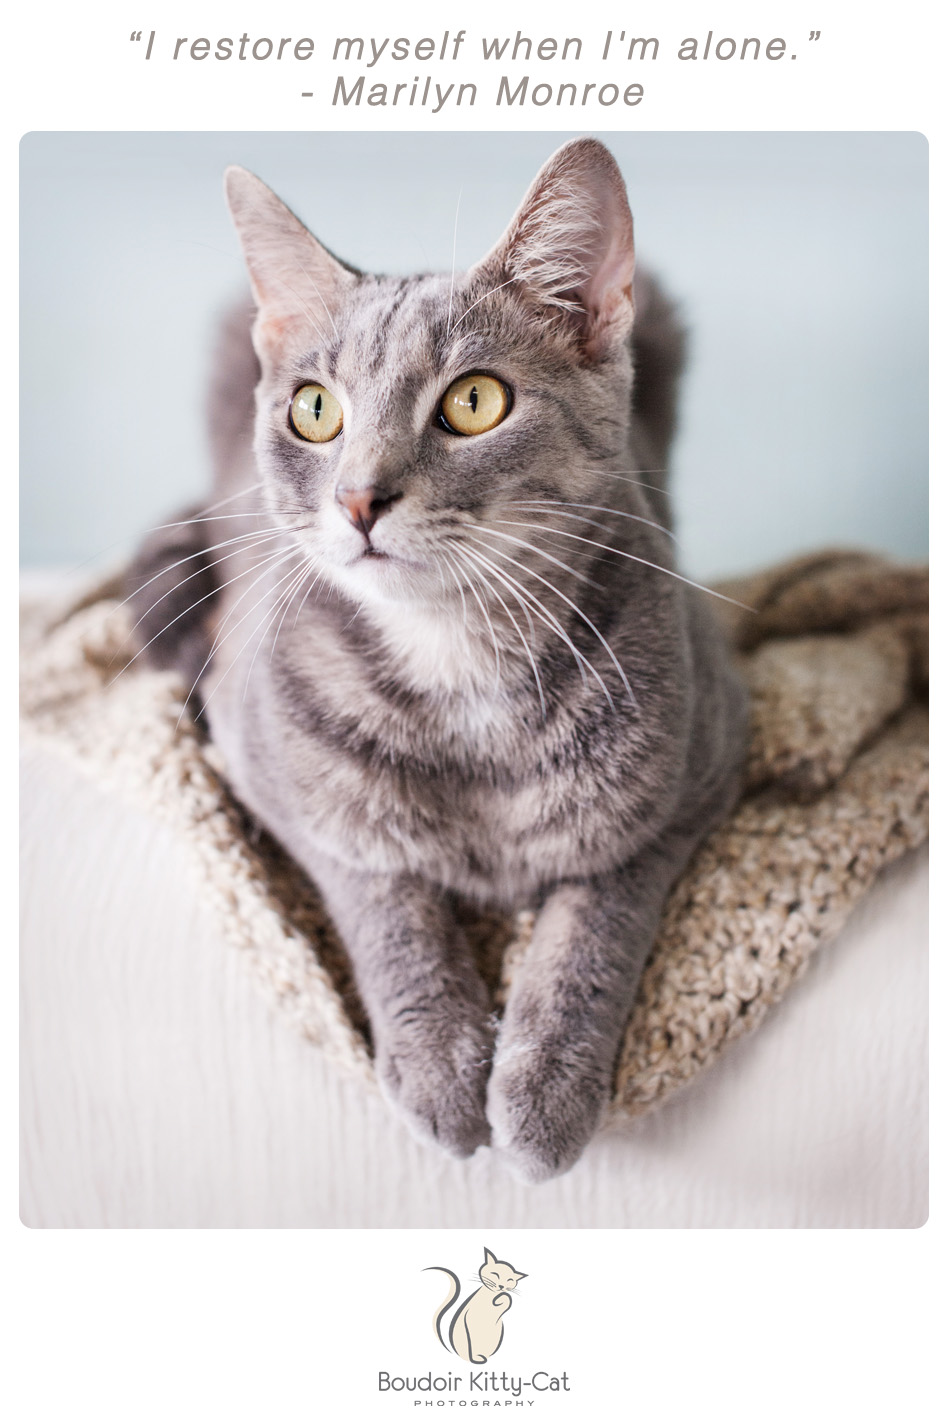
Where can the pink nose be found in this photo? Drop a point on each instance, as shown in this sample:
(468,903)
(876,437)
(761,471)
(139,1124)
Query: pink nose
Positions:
(363,507)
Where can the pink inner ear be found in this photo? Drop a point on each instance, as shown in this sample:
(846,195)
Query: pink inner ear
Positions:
(571,242)
(611,260)
(611,277)
(295,280)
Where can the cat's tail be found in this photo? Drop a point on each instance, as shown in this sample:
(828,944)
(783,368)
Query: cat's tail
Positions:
(446,1306)
(172,583)
(658,358)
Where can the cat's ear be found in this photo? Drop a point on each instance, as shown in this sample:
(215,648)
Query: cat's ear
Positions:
(489,1258)
(571,244)
(294,279)
(520,1276)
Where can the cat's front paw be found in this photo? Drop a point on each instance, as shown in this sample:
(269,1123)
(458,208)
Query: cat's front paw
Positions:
(543,1109)
(437,1083)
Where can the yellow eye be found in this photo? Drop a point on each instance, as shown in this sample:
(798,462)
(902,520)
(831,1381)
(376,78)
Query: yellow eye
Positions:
(475,404)
(315,414)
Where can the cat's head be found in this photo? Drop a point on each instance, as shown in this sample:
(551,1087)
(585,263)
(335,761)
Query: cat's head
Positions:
(399,419)
(498,1276)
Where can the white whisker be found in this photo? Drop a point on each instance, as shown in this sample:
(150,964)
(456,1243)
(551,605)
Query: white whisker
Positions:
(293,594)
(470,555)
(225,632)
(318,578)
(489,622)
(251,545)
(454,247)
(290,582)
(552,534)
(603,509)
(552,622)
(444,561)
(638,559)
(583,519)
(196,554)
(626,476)
(550,619)
(229,499)
(264,622)
(267,560)
(213,519)
(567,568)
(105,548)
(483,298)
(309,312)
(560,595)
(309,278)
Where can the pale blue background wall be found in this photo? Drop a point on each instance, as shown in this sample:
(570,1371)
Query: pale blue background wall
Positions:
(799,260)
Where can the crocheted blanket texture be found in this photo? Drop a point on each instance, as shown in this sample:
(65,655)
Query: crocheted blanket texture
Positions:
(835,656)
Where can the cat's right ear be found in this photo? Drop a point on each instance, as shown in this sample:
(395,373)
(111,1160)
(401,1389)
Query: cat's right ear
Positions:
(570,245)
(295,281)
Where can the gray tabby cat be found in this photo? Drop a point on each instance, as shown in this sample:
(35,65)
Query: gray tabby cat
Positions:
(443,648)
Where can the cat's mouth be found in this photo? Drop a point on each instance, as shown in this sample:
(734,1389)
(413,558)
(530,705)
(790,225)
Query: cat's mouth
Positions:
(374,554)
(376,570)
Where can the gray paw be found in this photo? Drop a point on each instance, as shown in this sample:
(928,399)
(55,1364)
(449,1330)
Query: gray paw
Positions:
(437,1083)
(543,1110)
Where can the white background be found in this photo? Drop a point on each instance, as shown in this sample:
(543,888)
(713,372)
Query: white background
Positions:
(254,1326)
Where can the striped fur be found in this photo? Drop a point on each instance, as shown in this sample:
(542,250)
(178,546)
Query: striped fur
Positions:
(520,703)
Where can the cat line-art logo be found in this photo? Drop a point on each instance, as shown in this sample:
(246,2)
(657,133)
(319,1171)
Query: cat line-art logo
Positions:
(470,1326)
(474,1330)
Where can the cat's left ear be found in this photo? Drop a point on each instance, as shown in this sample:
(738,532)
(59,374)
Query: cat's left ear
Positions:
(520,1276)
(296,281)
(571,244)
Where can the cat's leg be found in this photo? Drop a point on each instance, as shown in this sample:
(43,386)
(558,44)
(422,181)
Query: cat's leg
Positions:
(568,1008)
(429,1008)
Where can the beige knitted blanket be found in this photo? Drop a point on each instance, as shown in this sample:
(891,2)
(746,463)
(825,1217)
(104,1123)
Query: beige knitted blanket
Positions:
(835,657)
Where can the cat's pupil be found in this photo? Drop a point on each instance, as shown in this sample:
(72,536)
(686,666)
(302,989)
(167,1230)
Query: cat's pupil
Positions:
(473,398)
(318,406)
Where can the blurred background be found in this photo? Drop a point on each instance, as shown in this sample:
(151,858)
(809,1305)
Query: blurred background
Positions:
(799,262)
